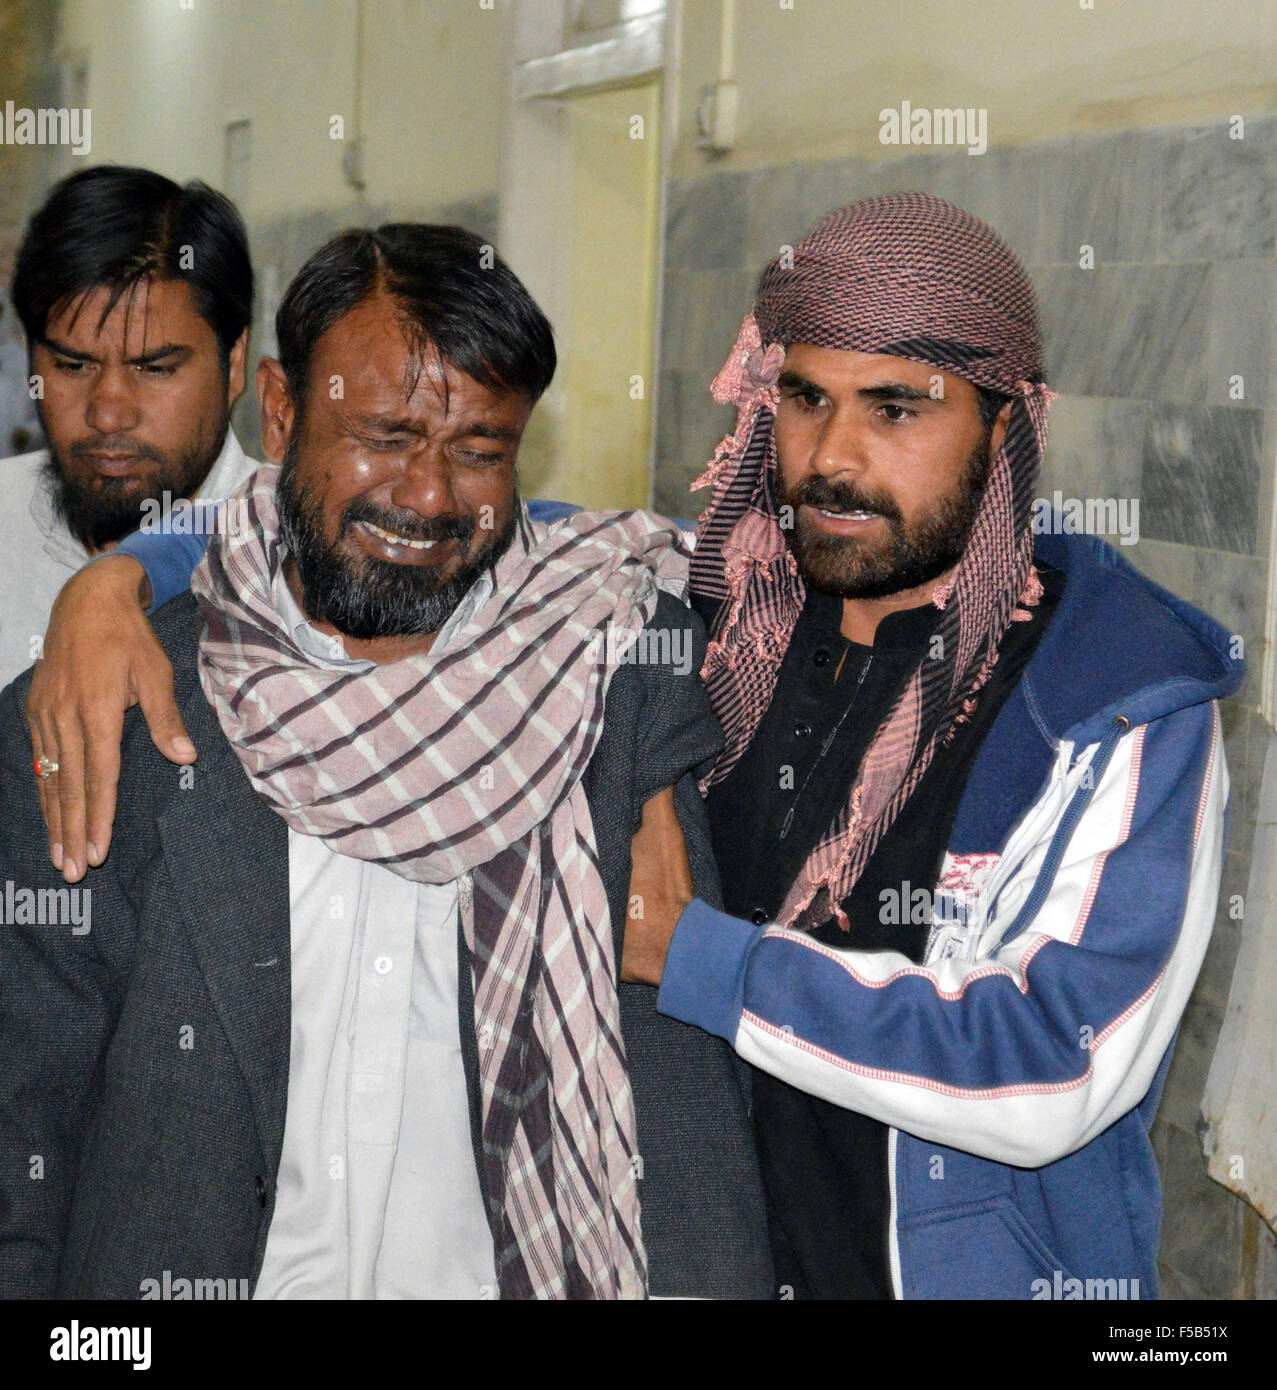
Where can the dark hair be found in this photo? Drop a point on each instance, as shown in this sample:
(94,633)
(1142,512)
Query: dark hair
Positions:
(454,293)
(116,227)
(989,403)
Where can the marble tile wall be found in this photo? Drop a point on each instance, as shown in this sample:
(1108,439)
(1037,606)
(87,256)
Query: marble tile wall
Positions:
(1163,355)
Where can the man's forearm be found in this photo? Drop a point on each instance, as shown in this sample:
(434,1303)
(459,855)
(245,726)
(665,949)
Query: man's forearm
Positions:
(127,564)
(1082,1003)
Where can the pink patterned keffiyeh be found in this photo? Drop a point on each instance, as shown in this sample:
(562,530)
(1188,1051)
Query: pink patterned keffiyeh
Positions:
(468,765)
(910,275)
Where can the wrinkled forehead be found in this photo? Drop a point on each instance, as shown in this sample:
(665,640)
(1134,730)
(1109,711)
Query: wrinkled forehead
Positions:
(375,352)
(130,318)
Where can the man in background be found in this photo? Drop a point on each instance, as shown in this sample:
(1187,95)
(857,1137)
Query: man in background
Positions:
(135,296)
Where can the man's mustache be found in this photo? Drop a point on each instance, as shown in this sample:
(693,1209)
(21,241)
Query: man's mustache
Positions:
(841,497)
(407,524)
(86,448)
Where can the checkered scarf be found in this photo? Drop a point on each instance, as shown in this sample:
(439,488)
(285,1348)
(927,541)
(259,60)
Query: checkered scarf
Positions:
(467,766)
(914,276)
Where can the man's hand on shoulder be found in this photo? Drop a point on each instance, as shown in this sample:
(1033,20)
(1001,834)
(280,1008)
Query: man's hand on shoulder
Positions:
(660,888)
(100,658)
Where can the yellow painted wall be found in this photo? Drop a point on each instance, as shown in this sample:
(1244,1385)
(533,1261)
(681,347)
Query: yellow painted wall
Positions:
(164,81)
(815,75)
(601,457)
(423,81)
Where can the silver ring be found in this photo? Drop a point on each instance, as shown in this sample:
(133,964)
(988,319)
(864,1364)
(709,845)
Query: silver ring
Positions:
(45,767)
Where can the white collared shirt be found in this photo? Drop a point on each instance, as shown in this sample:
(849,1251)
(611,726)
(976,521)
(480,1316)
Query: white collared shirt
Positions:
(38,554)
(377,1195)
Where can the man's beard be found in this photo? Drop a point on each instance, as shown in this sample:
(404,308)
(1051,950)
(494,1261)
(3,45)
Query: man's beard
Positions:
(100,511)
(377,598)
(910,555)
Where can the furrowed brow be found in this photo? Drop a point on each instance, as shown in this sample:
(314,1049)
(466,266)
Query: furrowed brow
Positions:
(894,391)
(388,424)
(159,353)
(480,430)
(399,424)
(61,350)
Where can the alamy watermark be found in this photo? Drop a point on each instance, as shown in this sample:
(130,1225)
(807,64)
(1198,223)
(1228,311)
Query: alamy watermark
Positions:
(1068,1289)
(47,907)
(182,1290)
(671,647)
(47,125)
(942,125)
(84,1342)
(1058,515)
(167,515)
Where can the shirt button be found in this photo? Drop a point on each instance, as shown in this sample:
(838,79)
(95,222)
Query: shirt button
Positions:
(382,965)
(758,917)
(820,657)
(802,730)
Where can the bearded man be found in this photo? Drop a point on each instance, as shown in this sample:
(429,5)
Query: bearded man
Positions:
(346,1021)
(970,810)
(135,296)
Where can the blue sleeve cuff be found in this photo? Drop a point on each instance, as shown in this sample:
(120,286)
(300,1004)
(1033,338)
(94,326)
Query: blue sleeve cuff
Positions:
(169,559)
(704,979)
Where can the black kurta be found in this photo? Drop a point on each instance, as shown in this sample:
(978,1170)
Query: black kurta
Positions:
(825,1168)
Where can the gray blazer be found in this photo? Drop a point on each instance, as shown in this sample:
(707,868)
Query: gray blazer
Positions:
(144,1064)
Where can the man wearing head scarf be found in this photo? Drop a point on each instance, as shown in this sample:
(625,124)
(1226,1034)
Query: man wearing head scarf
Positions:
(970,810)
